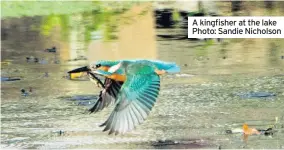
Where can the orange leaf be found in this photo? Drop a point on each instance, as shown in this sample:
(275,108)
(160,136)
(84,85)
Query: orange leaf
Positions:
(249,131)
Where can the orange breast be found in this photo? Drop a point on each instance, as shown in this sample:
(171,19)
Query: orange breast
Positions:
(117,77)
(104,68)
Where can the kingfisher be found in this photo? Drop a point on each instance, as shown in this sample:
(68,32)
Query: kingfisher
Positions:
(132,85)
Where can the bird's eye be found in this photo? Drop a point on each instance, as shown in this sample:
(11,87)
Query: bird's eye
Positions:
(98,65)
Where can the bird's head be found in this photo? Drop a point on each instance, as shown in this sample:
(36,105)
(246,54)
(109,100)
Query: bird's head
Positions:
(102,65)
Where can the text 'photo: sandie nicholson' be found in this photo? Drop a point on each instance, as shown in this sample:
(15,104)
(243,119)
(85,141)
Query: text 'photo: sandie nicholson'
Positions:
(225,22)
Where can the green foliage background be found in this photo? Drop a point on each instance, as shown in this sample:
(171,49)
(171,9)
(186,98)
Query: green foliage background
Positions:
(97,15)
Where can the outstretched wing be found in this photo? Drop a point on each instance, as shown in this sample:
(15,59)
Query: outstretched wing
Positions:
(107,95)
(135,100)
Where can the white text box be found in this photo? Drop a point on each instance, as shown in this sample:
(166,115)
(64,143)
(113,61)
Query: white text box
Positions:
(235,27)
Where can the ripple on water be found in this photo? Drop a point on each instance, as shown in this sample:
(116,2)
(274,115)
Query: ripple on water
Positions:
(188,107)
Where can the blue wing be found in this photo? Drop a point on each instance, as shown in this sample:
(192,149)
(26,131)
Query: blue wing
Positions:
(169,67)
(135,100)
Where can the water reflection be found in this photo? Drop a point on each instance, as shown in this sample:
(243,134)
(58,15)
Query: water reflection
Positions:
(274,52)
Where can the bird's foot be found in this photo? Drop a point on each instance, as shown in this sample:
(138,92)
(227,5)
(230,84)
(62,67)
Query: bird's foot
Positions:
(98,84)
(160,72)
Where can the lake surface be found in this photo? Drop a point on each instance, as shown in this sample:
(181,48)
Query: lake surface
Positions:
(194,108)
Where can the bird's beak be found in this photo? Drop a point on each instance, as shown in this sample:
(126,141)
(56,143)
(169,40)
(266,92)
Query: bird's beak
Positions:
(82,69)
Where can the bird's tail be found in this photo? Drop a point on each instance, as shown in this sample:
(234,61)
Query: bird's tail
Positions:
(173,68)
(170,67)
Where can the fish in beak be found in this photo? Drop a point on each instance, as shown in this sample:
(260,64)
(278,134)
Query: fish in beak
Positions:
(79,72)
(92,75)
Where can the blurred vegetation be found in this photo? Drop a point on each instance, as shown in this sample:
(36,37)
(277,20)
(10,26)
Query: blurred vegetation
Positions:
(176,15)
(101,20)
(96,15)
(51,21)
(202,50)
(42,8)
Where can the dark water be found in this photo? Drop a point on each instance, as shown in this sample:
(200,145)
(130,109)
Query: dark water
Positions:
(194,108)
